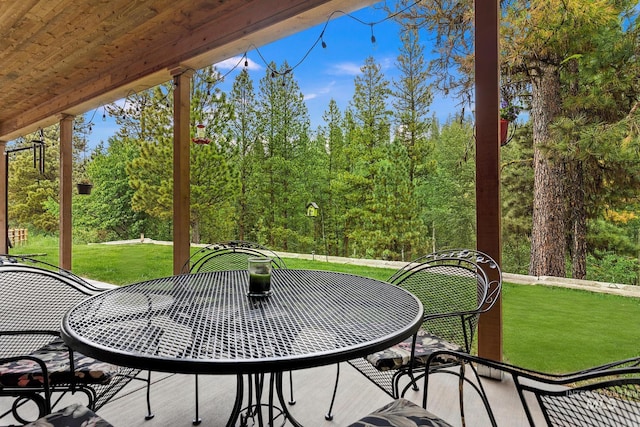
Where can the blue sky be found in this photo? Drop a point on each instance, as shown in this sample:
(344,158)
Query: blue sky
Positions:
(324,73)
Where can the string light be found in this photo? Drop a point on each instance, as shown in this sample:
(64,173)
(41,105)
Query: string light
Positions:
(319,40)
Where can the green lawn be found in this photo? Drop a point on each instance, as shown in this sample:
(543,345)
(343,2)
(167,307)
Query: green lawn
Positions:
(545,328)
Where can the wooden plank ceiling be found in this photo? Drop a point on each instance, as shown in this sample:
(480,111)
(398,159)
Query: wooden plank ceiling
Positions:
(62,57)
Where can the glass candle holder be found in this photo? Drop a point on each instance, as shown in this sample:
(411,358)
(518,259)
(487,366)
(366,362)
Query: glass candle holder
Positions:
(259,276)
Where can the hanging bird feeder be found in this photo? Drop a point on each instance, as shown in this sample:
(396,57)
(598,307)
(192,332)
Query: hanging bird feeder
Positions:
(200,137)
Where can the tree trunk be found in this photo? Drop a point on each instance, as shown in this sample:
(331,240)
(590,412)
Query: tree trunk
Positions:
(547,236)
(579,220)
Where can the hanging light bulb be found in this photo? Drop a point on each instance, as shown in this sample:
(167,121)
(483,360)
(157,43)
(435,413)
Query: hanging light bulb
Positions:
(373,37)
(324,45)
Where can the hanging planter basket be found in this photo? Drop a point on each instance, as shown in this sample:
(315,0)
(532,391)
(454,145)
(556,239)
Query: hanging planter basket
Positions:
(84,188)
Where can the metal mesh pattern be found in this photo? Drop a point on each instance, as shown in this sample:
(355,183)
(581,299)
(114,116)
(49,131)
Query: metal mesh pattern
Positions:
(205,323)
(455,288)
(34,300)
(231,255)
(614,403)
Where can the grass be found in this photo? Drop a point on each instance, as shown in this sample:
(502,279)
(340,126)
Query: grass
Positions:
(545,328)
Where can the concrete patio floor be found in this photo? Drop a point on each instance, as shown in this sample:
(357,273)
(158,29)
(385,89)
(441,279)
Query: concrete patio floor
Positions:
(172,400)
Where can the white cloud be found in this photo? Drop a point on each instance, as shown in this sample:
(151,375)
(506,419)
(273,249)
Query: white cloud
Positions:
(320,91)
(237,62)
(387,62)
(345,68)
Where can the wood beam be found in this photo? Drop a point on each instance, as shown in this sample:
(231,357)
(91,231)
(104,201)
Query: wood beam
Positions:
(181,168)
(489,232)
(66,189)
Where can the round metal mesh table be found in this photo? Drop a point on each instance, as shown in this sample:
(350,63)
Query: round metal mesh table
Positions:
(206,324)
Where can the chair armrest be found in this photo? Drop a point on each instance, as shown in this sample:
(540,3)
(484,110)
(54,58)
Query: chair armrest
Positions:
(610,392)
(630,365)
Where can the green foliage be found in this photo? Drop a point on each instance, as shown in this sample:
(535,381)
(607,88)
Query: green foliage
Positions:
(613,268)
(32,196)
(448,193)
(107,214)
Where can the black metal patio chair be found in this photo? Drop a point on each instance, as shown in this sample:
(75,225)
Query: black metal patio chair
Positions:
(231,255)
(455,288)
(605,395)
(35,364)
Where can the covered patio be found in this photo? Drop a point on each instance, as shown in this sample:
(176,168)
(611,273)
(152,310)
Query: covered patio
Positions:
(62,59)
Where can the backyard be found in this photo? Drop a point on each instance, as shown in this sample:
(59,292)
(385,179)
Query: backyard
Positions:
(545,328)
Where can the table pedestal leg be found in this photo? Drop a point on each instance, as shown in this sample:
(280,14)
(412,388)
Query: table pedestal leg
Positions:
(253,409)
(237,406)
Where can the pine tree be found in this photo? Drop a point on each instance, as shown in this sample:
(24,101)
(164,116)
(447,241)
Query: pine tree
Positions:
(368,149)
(284,126)
(245,135)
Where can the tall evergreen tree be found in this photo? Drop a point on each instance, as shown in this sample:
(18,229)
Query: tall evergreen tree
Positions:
(336,165)
(211,180)
(284,127)
(244,133)
(411,102)
(368,148)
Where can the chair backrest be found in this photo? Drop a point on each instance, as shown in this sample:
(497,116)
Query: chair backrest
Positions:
(35,299)
(8,260)
(601,398)
(232,255)
(455,287)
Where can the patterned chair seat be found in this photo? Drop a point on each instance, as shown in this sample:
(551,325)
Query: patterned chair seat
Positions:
(72,416)
(399,355)
(55,355)
(401,413)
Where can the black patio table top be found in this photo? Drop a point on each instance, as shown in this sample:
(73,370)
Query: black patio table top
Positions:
(205,323)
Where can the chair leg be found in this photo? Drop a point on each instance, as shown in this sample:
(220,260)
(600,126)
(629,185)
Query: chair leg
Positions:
(150,414)
(292,401)
(329,415)
(483,395)
(461,393)
(196,420)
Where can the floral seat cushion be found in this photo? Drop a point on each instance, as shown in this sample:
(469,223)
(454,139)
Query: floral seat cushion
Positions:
(27,373)
(399,355)
(401,413)
(72,416)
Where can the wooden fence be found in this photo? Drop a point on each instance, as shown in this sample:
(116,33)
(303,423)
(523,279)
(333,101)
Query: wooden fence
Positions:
(18,236)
